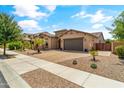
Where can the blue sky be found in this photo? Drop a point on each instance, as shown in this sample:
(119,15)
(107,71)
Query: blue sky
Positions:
(34,19)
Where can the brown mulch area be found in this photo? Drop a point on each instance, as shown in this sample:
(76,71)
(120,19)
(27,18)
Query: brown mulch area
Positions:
(108,66)
(42,79)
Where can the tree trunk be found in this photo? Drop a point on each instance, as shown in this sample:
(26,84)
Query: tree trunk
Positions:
(94,59)
(38,50)
(4,51)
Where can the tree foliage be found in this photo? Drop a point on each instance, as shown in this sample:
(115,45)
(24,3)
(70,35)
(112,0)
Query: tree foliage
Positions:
(9,29)
(16,45)
(108,41)
(118,24)
(38,42)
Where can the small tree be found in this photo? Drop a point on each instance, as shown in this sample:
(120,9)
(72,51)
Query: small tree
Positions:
(9,30)
(118,27)
(93,53)
(25,45)
(38,42)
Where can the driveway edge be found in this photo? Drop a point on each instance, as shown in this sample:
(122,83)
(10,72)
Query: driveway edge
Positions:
(13,79)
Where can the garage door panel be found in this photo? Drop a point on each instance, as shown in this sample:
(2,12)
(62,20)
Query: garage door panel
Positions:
(73,44)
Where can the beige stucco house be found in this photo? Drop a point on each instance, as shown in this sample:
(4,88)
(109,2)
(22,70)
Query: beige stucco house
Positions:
(70,39)
(50,40)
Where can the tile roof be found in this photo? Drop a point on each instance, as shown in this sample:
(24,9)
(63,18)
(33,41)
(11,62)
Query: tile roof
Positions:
(48,34)
(96,34)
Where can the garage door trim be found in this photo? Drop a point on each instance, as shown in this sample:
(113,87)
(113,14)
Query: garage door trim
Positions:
(73,44)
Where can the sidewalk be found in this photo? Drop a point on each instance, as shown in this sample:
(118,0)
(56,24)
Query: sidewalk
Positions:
(22,64)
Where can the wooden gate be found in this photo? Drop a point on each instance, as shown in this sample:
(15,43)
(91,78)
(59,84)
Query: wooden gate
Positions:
(103,46)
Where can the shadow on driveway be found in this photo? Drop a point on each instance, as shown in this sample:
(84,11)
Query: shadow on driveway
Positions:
(8,56)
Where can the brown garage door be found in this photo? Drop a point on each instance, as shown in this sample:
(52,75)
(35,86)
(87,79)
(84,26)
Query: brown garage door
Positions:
(73,44)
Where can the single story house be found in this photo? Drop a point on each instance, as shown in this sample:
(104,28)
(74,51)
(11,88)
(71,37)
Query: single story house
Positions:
(71,39)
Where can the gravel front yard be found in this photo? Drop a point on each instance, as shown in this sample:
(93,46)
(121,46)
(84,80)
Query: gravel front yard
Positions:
(108,66)
(42,79)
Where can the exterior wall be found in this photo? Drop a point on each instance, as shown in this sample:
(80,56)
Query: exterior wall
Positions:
(88,40)
(54,43)
(115,44)
(49,43)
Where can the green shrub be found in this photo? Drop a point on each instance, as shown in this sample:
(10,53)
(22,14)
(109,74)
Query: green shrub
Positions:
(120,51)
(26,45)
(74,62)
(15,45)
(94,66)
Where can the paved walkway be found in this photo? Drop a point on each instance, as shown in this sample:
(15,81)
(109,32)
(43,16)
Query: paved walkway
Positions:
(11,77)
(104,53)
(22,64)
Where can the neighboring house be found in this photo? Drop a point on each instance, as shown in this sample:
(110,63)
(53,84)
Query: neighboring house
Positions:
(70,39)
(50,40)
(100,37)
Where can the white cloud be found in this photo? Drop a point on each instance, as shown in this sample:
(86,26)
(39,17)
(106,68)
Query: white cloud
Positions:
(106,34)
(30,11)
(51,8)
(97,26)
(29,25)
(80,14)
(98,17)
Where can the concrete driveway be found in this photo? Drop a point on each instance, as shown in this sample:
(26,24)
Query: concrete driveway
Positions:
(59,56)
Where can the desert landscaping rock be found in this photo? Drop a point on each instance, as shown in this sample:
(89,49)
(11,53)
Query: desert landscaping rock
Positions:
(107,66)
(42,79)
